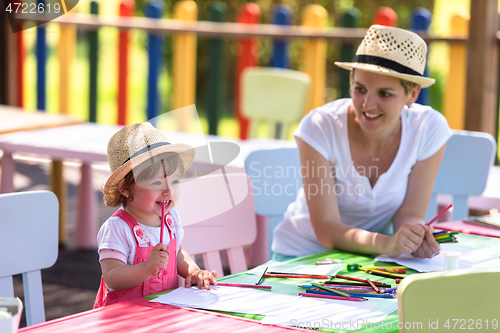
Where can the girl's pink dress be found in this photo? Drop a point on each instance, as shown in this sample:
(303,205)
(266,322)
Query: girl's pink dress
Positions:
(167,280)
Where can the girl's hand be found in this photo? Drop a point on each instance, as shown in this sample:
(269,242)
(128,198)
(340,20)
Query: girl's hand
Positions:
(429,247)
(158,259)
(406,240)
(202,278)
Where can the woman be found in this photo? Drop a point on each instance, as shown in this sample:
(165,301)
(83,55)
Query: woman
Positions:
(369,162)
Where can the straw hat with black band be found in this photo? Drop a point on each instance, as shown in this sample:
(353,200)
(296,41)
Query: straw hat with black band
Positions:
(392,51)
(137,143)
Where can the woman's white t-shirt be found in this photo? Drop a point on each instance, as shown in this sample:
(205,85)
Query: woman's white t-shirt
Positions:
(115,234)
(424,132)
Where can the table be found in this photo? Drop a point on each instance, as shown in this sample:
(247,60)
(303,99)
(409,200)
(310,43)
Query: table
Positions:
(16,120)
(141,315)
(467,228)
(132,315)
(88,143)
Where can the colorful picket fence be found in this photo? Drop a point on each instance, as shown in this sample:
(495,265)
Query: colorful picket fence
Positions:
(184,58)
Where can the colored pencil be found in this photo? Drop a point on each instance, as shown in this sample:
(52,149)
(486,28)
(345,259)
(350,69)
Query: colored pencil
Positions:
(324,292)
(373,295)
(345,288)
(354,279)
(335,291)
(242,285)
(262,276)
(388,275)
(353,299)
(297,276)
(373,285)
(439,215)
(389,290)
(359,284)
(391,270)
(161,228)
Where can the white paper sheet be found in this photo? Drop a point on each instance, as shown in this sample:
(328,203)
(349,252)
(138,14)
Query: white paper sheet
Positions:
(325,313)
(280,309)
(470,258)
(233,299)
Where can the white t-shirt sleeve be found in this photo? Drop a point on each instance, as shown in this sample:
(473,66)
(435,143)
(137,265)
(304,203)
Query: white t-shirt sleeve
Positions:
(317,128)
(115,234)
(436,133)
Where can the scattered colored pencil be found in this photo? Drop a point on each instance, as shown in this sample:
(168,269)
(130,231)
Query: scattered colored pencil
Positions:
(355,279)
(439,215)
(388,275)
(373,295)
(262,276)
(242,285)
(297,276)
(373,285)
(353,299)
(338,292)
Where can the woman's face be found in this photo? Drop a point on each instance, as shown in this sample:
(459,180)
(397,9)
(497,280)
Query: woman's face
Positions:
(378,100)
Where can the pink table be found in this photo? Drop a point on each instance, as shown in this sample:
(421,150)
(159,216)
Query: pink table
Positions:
(139,315)
(467,228)
(88,143)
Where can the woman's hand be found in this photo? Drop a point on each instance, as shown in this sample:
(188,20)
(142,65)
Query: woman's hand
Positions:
(158,259)
(406,240)
(201,277)
(429,247)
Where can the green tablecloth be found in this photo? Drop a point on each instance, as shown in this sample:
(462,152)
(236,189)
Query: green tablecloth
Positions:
(290,286)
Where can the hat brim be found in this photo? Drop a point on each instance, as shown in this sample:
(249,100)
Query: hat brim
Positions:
(424,82)
(185,152)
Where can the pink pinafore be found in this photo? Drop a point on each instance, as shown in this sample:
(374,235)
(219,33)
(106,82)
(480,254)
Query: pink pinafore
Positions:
(168,278)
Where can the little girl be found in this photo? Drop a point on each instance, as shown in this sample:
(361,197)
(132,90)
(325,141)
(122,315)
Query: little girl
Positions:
(145,180)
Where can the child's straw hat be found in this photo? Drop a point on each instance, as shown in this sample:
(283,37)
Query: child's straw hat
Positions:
(394,52)
(134,144)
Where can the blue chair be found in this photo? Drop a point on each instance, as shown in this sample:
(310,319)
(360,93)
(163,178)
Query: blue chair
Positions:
(275,175)
(464,170)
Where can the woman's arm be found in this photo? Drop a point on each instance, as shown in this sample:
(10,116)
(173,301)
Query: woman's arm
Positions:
(324,211)
(188,269)
(414,207)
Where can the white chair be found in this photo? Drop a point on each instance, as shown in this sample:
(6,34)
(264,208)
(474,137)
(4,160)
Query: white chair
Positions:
(276,179)
(218,213)
(461,298)
(463,171)
(28,243)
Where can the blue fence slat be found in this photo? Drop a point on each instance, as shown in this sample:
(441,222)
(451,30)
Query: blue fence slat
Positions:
(154,10)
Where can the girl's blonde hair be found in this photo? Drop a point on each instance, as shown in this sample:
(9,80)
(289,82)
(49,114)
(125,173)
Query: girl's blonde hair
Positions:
(144,171)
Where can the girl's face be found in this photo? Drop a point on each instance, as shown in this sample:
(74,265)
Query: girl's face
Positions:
(378,100)
(149,196)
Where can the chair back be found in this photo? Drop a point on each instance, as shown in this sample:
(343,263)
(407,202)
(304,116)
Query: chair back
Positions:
(430,301)
(276,179)
(463,171)
(274,95)
(218,213)
(28,243)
